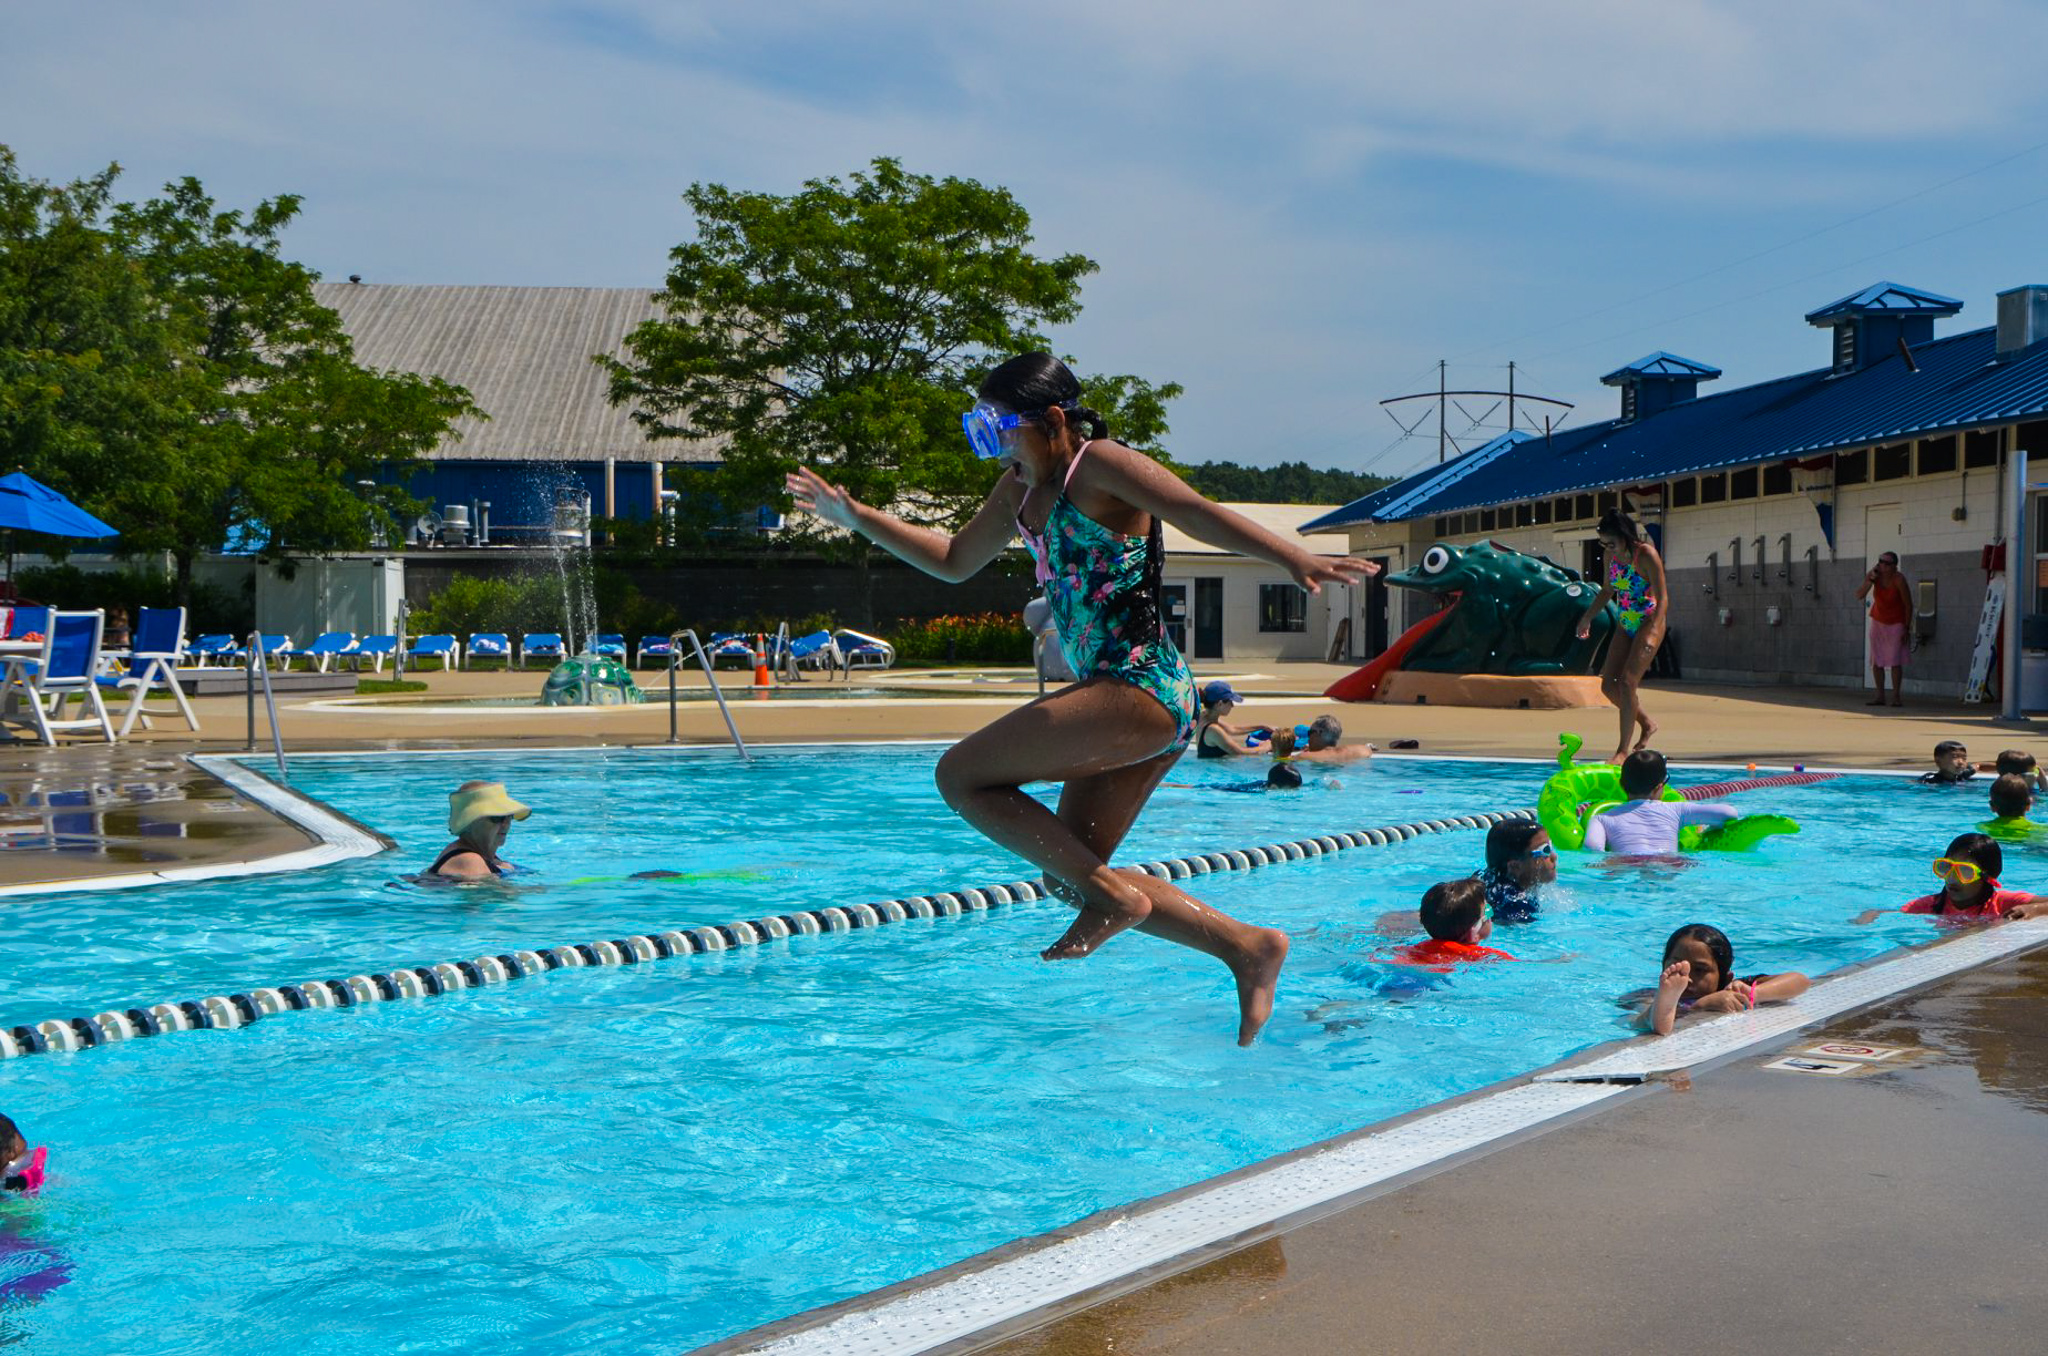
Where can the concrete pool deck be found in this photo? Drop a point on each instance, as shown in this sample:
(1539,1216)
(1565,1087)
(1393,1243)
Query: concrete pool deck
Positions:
(1739,1207)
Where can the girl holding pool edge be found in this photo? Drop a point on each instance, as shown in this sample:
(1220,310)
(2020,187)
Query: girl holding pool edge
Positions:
(1635,584)
(1090,510)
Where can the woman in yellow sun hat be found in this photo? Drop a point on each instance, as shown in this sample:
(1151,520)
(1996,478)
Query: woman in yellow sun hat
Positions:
(480,815)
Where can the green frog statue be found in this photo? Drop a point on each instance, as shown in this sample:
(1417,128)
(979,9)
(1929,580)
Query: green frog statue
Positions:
(1509,613)
(588,680)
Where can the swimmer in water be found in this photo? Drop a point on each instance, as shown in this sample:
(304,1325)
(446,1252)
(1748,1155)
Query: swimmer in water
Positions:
(1091,512)
(1648,826)
(1519,860)
(480,815)
(1970,891)
(1698,977)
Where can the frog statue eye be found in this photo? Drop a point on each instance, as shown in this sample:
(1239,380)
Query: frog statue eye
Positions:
(1436,560)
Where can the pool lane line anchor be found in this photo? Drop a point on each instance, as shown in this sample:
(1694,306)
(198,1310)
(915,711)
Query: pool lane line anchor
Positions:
(231,1012)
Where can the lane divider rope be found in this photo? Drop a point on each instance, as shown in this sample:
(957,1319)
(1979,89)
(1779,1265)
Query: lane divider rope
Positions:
(229,1012)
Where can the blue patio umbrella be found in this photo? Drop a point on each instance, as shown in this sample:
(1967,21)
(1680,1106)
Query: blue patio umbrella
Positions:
(28,505)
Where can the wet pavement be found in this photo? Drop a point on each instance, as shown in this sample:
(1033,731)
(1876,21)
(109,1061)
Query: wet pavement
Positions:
(1899,1208)
(72,813)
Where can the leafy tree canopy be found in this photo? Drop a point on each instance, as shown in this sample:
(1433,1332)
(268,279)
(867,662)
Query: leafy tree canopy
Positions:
(1291,482)
(846,327)
(167,366)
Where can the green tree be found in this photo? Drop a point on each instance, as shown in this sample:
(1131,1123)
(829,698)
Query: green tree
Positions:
(846,327)
(1291,482)
(268,422)
(84,363)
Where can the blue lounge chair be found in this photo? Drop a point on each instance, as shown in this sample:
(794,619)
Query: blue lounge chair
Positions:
(376,649)
(152,666)
(329,648)
(441,647)
(67,666)
(858,650)
(540,645)
(730,645)
(213,647)
(816,651)
(278,648)
(488,645)
(27,621)
(610,645)
(655,647)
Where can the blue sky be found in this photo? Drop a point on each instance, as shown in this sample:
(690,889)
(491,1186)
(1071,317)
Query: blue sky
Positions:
(1297,210)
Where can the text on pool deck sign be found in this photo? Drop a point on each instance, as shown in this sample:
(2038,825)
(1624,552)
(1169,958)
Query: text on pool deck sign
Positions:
(1853,1050)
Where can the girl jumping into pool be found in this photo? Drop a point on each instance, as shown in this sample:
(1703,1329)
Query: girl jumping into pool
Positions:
(1090,511)
(1635,584)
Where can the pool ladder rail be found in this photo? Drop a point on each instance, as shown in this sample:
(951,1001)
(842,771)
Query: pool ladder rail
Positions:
(675,662)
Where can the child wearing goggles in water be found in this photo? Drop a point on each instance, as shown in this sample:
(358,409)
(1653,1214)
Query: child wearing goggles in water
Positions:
(1970,891)
(1699,961)
(1090,510)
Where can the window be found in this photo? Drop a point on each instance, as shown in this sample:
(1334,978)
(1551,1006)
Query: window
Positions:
(1893,463)
(1938,455)
(1542,507)
(1713,489)
(1980,449)
(1742,484)
(1852,468)
(1525,515)
(1609,500)
(1488,520)
(1777,480)
(1582,507)
(2034,439)
(1283,607)
(1685,493)
(1440,527)
(1564,512)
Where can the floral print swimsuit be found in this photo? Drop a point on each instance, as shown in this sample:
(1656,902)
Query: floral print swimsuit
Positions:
(1104,590)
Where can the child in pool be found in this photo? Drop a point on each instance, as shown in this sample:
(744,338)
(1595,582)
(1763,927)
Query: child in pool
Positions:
(21,1168)
(2011,797)
(1457,918)
(1698,966)
(1970,891)
(1091,512)
(1648,826)
(1519,860)
(1952,765)
(2019,763)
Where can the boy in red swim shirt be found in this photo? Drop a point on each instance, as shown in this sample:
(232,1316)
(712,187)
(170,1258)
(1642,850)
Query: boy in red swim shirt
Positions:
(1970,892)
(1457,918)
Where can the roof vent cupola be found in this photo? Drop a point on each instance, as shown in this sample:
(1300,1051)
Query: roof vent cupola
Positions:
(1870,325)
(2022,319)
(1656,383)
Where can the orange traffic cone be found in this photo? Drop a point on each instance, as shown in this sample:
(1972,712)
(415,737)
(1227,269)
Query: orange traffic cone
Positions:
(762,677)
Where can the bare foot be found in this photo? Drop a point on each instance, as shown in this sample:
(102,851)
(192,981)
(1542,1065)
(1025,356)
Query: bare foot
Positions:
(1619,756)
(1091,928)
(1257,974)
(1650,727)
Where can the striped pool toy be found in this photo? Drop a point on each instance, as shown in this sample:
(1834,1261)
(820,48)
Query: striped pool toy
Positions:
(1715,790)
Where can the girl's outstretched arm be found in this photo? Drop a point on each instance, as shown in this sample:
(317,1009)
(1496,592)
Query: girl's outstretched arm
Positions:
(951,558)
(1778,988)
(1143,483)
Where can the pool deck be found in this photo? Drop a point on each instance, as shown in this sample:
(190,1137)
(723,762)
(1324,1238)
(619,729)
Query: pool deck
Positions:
(1738,1208)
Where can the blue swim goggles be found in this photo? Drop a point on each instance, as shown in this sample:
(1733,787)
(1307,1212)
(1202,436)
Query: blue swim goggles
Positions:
(986,425)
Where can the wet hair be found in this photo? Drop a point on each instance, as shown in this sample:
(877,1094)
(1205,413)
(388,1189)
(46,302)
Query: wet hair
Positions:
(1328,727)
(1643,772)
(1716,942)
(10,1136)
(1618,525)
(1510,841)
(1284,741)
(1452,908)
(1283,776)
(1958,746)
(1980,848)
(2016,761)
(2010,796)
(1030,383)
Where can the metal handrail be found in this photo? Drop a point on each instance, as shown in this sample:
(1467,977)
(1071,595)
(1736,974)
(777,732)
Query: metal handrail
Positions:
(259,662)
(675,660)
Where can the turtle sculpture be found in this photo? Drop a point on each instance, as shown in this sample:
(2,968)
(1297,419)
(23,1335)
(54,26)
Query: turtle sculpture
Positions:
(1508,613)
(589,680)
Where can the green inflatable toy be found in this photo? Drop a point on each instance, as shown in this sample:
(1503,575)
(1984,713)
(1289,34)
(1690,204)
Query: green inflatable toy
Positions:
(1578,791)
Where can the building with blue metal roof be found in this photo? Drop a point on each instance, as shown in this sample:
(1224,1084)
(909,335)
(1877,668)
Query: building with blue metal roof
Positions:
(1767,499)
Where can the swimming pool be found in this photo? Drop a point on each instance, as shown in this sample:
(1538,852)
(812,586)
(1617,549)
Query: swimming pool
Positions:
(647,1159)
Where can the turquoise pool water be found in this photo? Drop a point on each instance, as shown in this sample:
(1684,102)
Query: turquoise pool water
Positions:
(647,1159)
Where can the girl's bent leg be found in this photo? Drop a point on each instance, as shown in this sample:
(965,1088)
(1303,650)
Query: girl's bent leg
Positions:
(1110,744)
